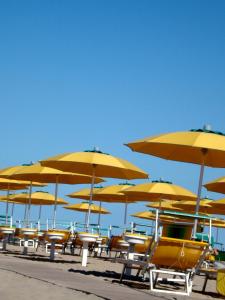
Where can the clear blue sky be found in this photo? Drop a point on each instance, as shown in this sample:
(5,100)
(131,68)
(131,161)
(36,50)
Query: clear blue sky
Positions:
(78,74)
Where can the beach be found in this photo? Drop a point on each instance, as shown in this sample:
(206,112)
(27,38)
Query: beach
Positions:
(35,277)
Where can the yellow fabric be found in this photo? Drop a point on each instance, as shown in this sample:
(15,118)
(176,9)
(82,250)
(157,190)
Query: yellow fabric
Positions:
(39,173)
(189,206)
(177,253)
(7,172)
(111,193)
(37,198)
(104,165)
(66,235)
(83,193)
(163,218)
(184,146)
(154,191)
(220,282)
(83,207)
(167,205)
(217,185)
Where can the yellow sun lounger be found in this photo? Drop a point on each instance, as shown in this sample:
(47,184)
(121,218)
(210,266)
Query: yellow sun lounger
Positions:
(177,259)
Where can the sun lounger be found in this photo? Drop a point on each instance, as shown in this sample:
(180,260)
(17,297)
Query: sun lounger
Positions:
(177,259)
(116,246)
(59,244)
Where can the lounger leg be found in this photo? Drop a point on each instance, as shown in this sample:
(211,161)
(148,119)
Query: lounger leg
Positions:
(52,251)
(150,280)
(205,283)
(122,274)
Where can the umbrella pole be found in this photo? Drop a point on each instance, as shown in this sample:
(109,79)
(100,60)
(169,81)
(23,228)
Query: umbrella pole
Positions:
(25,214)
(7,207)
(156,224)
(217,234)
(99,216)
(12,209)
(85,219)
(39,219)
(198,198)
(55,204)
(29,204)
(91,197)
(125,215)
(52,250)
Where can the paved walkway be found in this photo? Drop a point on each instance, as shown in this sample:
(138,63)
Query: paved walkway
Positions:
(33,277)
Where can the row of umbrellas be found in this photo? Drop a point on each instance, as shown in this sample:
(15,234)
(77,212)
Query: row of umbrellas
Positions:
(203,147)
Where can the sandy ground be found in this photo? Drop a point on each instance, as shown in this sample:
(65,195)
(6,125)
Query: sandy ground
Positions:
(34,277)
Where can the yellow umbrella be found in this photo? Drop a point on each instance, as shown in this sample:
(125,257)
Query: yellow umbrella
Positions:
(85,193)
(217,185)
(8,172)
(218,206)
(15,184)
(201,146)
(158,190)
(114,194)
(84,207)
(37,198)
(149,215)
(110,194)
(189,206)
(95,163)
(40,173)
(165,205)
(8,184)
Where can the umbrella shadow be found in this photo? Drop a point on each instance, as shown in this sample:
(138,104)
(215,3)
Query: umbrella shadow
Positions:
(210,294)
(107,274)
(44,258)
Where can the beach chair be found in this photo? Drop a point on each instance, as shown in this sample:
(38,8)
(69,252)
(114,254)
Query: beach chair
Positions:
(20,238)
(114,245)
(177,259)
(100,246)
(60,244)
(220,282)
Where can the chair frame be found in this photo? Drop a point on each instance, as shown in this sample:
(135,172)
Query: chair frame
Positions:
(146,266)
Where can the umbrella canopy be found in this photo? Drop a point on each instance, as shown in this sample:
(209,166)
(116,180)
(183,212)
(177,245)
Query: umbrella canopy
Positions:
(164,204)
(9,184)
(84,206)
(95,163)
(201,146)
(112,194)
(4,198)
(149,215)
(37,198)
(218,207)
(97,196)
(186,146)
(85,193)
(158,190)
(217,185)
(39,173)
(8,172)
(189,206)
(104,165)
